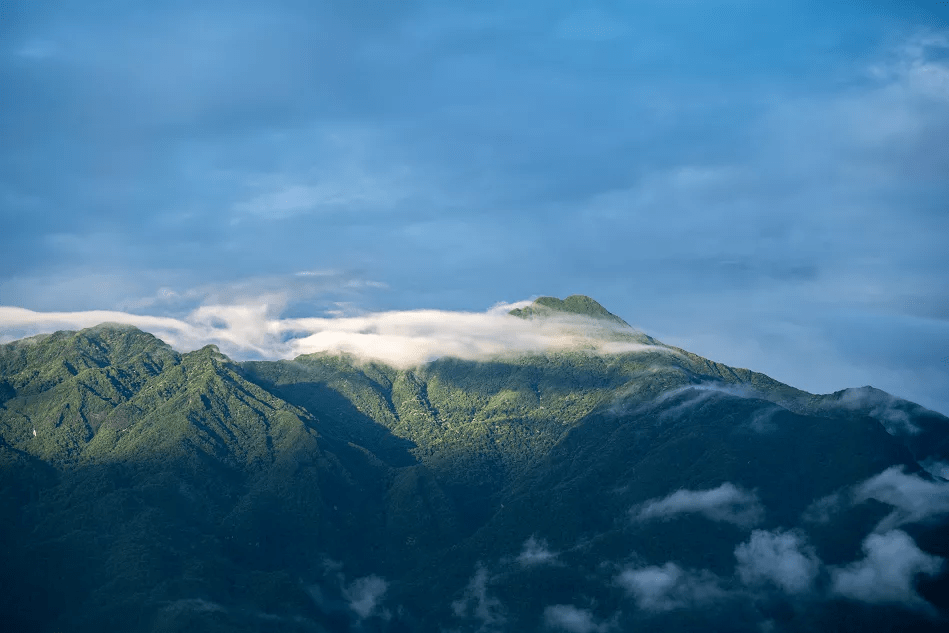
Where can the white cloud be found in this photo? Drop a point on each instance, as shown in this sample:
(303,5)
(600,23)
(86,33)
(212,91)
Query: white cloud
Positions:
(912,497)
(763,420)
(823,509)
(477,603)
(669,587)
(699,393)
(254,329)
(911,71)
(780,558)
(887,572)
(536,553)
(365,594)
(726,503)
(567,617)
(880,405)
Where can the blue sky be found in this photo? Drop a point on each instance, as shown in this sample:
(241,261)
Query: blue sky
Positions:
(762,183)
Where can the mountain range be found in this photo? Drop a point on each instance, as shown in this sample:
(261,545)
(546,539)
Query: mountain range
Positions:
(626,485)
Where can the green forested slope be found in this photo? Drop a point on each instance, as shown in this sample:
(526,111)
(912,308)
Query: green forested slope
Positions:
(146,490)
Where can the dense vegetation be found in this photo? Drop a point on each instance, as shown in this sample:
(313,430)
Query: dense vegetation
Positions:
(146,490)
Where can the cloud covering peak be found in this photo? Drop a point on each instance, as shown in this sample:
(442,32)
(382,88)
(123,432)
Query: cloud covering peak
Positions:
(399,338)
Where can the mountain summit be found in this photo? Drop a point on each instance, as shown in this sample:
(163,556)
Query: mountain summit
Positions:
(574,304)
(633,487)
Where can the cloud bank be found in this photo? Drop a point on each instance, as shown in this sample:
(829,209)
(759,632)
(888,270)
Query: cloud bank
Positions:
(726,503)
(399,338)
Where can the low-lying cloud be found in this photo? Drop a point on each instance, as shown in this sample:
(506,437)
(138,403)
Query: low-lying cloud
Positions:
(536,552)
(364,595)
(882,406)
(400,338)
(726,503)
(478,604)
(783,559)
(913,498)
(566,617)
(887,572)
(670,587)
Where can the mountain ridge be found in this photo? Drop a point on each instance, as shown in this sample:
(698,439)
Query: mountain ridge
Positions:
(344,490)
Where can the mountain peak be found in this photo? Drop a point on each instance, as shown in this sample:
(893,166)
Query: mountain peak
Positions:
(574,304)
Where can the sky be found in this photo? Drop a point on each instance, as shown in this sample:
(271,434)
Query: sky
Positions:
(761,183)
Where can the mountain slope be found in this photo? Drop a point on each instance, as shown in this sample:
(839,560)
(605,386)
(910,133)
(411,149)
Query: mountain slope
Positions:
(648,488)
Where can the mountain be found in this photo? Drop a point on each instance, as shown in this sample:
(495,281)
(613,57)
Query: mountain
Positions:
(579,490)
(574,304)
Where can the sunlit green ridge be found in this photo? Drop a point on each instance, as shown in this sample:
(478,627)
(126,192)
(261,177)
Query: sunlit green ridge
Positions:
(184,491)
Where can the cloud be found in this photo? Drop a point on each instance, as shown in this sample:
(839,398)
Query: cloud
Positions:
(343,192)
(887,572)
(912,497)
(403,338)
(670,587)
(699,393)
(781,558)
(477,603)
(365,594)
(882,406)
(763,421)
(936,468)
(726,503)
(823,509)
(536,553)
(567,617)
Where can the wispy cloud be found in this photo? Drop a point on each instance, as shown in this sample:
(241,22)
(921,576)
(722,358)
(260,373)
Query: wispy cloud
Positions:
(477,603)
(913,498)
(880,405)
(726,503)
(699,393)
